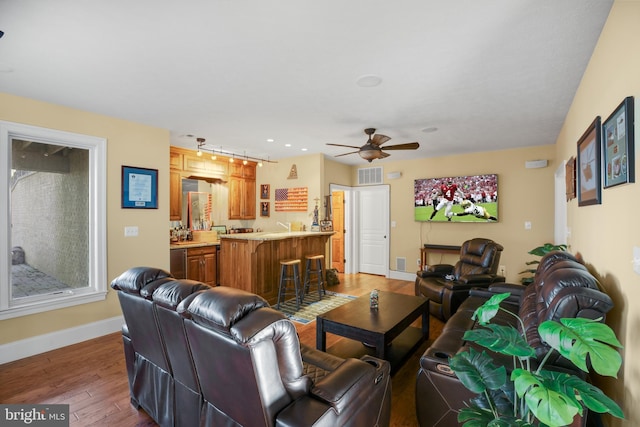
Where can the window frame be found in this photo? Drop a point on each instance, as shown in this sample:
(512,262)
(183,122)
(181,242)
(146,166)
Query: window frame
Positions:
(97,286)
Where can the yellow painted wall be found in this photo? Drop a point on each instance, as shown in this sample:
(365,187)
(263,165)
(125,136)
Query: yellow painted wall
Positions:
(606,234)
(128,144)
(309,174)
(525,195)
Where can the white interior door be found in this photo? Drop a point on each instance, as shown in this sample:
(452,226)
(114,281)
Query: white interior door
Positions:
(373,230)
(560,209)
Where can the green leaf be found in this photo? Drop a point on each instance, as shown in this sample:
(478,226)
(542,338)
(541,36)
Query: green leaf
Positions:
(489,309)
(501,339)
(579,338)
(547,405)
(591,396)
(477,372)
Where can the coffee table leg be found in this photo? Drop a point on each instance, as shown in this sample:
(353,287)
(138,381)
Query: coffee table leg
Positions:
(425,325)
(321,335)
(381,348)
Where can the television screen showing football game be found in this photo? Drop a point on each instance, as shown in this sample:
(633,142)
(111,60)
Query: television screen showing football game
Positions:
(456,199)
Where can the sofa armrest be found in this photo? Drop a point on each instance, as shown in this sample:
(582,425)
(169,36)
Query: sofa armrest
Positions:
(500,288)
(341,386)
(437,270)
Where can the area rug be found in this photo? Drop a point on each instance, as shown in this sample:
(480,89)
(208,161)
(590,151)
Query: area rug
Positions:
(311,307)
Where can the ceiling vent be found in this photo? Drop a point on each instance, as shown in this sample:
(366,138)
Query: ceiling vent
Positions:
(370,176)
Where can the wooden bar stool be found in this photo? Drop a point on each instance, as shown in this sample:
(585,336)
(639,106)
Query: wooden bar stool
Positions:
(289,272)
(314,266)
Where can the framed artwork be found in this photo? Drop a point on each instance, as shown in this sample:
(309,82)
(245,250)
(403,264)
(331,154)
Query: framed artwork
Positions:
(588,166)
(264,191)
(570,178)
(618,145)
(139,188)
(264,208)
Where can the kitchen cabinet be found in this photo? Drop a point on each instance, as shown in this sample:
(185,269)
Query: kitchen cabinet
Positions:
(205,166)
(175,195)
(242,191)
(202,265)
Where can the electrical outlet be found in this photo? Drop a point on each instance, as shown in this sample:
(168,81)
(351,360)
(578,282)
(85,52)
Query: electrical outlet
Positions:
(502,270)
(419,262)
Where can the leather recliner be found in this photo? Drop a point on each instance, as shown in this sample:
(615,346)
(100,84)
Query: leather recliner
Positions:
(152,380)
(562,288)
(226,352)
(447,286)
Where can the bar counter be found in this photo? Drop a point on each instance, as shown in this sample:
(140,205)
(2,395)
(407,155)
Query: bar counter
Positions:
(251,261)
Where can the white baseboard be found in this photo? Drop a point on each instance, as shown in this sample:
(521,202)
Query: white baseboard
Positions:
(42,343)
(402,275)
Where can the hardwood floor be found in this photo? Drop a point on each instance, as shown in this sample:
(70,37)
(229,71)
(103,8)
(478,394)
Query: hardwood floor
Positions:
(91,376)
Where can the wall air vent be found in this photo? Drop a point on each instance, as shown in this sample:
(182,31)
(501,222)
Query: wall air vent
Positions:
(370,176)
(401,264)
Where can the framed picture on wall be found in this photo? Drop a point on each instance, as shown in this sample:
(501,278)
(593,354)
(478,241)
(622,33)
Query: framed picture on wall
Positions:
(264,208)
(264,191)
(139,188)
(588,166)
(570,178)
(618,146)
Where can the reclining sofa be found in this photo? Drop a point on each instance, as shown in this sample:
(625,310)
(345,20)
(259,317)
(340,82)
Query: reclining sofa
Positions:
(562,288)
(197,355)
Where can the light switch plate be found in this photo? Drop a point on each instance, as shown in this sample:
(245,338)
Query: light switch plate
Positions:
(636,259)
(131,231)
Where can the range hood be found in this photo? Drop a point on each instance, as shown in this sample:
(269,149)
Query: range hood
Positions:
(208,179)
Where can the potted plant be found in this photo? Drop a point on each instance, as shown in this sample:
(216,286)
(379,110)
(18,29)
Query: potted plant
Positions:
(539,251)
(532,393)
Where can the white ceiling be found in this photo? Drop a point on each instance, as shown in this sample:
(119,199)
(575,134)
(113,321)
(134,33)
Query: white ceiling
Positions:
(489,75)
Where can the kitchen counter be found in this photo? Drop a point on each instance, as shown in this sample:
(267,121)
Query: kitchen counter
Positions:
(191,244)
(278,235)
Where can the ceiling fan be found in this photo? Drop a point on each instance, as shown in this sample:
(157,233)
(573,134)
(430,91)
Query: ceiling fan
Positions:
(373,150)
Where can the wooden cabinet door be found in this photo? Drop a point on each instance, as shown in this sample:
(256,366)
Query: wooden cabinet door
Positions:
(249,198)
(235,198)
(209,268)
(194,268)
(175,196)
(235,267)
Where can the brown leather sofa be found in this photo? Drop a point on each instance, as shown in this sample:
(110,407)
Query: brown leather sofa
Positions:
(221,356)
(562,288)
(446,286)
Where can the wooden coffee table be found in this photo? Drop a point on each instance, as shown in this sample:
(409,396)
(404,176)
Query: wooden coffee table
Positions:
(386,331)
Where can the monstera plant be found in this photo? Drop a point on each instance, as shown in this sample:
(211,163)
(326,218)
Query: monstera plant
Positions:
(532,395)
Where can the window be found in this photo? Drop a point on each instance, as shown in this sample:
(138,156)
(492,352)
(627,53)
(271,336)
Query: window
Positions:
(54,224)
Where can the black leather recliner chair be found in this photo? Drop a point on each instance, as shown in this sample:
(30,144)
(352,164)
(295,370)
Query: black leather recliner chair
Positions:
(447,286)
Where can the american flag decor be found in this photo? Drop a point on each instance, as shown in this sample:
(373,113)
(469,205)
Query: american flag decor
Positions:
(291,199)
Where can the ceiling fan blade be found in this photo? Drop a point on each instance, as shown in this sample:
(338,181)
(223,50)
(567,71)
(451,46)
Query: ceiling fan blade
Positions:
(340,145)
(344,154)
(379,139)
(407,146)
(382,155)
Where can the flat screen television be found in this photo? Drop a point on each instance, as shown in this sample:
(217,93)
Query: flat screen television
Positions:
(472,198)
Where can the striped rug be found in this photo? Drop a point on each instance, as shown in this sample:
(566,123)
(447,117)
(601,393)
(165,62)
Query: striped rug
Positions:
(311,307)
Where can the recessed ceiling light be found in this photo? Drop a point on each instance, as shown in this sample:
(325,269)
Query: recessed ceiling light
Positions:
(368,80)
(303,149)
(287,145)
(429,129)
(270,140)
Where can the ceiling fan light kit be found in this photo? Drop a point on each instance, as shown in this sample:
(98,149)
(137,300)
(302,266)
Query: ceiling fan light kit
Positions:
(372,149)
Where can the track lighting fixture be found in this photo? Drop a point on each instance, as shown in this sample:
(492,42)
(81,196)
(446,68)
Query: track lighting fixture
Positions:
(232,156)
